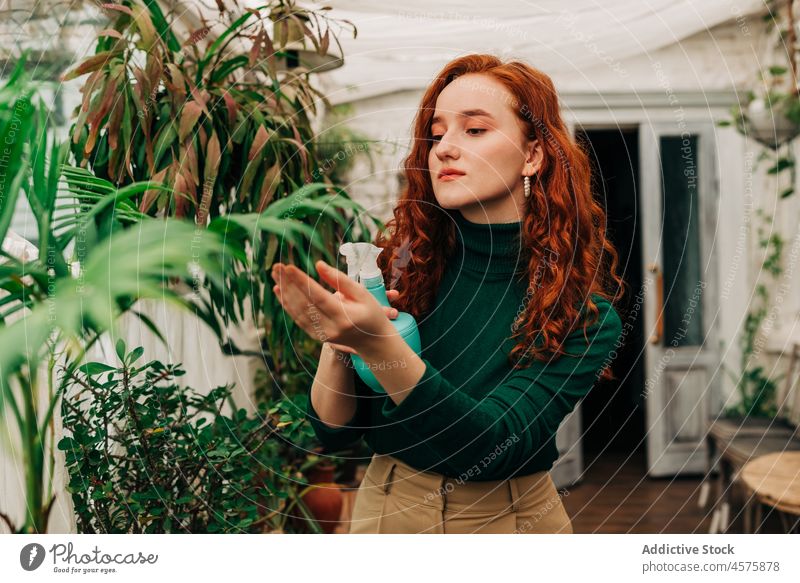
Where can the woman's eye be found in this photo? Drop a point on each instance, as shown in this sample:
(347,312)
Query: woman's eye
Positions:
(438,137)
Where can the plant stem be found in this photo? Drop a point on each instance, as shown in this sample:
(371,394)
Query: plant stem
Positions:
(792,38)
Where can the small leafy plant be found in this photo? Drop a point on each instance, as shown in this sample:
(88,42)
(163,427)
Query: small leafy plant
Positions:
(146,455)
(755,387)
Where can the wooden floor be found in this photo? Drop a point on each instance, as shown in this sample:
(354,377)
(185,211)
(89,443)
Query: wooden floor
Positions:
(616,496)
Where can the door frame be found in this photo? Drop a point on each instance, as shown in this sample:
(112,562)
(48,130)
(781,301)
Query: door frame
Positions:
(675,419)
(631,110)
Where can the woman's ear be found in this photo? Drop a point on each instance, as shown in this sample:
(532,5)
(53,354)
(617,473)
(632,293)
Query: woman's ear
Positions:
(533,161)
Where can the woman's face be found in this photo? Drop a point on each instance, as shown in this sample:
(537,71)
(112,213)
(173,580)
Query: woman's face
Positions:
(476,131)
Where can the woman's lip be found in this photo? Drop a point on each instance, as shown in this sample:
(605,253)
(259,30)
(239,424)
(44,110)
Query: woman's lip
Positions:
(449,177)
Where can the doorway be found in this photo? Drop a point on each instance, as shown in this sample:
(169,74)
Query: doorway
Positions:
(613,413)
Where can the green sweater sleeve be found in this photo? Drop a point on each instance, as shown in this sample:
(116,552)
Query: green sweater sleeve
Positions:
(338,438)
(513,421)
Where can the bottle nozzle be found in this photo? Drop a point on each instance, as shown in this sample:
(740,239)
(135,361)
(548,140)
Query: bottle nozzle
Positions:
(362,260)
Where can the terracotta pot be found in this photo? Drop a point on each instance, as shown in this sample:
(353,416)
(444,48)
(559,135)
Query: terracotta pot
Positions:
(324,498)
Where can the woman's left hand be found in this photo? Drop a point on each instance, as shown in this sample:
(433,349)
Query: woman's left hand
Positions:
(350,319)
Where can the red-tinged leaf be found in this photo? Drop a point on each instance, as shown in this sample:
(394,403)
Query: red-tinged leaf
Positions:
(88,88)
(177,82)
(89,65)
(196,36)
(149,155)
(201,96)
(89,97)
(259,140)
(110,32)
(117,7)
(154,69)
(326,41)
(272,63)
(179,189)
(303,152)
(184,191)
(353,26)
(109,97)
(113,162)
(191,190)
(213,157)
(79,125)
(255,51)
(189,115)
(115,122)
(232,107)
(127,162)
(249,175)
(191,163)
(201,215)
(141,15)
(150,196)
(301,29)
(272,179)
(142,89)
(95,121)
(196,95)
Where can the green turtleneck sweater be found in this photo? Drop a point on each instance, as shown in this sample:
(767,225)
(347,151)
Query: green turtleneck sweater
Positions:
(472,416)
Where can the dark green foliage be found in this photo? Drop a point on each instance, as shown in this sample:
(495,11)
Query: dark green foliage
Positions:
(147,455)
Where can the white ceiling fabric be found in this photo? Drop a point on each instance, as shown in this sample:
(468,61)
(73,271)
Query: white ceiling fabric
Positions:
(402,45)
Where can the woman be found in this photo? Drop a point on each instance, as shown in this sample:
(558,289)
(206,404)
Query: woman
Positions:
(497,247)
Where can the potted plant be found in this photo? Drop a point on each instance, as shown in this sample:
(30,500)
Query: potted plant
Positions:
(222,115)
(98,256)
(88,294)
(148,455)
(770,111)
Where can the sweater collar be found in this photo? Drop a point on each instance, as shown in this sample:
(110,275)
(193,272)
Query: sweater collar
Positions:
(488,248)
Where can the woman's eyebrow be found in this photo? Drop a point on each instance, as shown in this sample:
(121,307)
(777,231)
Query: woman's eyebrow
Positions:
(466,113)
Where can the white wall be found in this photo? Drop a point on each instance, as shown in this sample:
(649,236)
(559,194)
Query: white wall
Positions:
(705,71)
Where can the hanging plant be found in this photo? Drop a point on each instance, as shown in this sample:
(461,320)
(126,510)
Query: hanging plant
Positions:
(770,113)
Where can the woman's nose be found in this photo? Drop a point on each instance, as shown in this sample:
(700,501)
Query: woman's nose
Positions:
(445,148)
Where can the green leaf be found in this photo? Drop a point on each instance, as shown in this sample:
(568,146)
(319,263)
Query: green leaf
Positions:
(135,355)
(121,349)
(781,165)
(94,368)
(161,26)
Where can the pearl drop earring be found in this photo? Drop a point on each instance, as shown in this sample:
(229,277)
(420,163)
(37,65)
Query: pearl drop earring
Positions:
(526,183)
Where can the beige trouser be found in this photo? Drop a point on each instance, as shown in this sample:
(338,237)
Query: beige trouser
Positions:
(395,498)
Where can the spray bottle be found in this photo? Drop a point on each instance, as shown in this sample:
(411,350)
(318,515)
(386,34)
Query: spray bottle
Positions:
(362,266)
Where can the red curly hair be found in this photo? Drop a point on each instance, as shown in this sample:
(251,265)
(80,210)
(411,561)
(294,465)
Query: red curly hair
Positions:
(570,257)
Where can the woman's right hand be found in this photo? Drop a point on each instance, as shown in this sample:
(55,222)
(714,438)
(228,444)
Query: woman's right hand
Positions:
(391,313)
(392,294)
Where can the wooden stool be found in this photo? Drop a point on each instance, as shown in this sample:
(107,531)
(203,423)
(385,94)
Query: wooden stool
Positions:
(773,479)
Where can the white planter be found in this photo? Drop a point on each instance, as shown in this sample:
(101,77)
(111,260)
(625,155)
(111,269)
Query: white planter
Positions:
(769,125)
